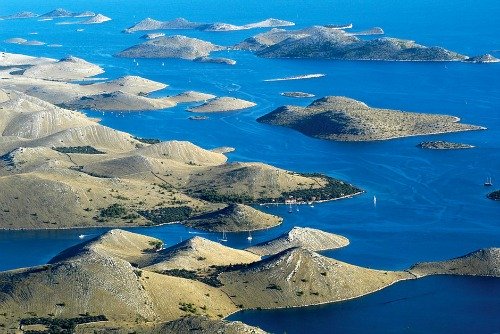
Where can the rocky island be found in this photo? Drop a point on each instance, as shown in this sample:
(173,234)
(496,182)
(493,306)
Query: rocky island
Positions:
(297,94)
(484,59)
(495,195)
(222,104)
(181,23)
(330,43)
(171,47)
(443,145)
(345,119)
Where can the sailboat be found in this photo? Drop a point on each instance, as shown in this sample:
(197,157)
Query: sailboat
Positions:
(488,182)
(249,238)
(224,237)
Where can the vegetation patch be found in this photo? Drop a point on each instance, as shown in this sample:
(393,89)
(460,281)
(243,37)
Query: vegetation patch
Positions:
(78,149)
(167,214)
(113,211)
(148,140)
(59,325)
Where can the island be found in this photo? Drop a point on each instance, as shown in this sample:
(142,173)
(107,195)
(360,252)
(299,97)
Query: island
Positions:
(176,46)
(344,119)
(297,77)
(484,59)
(61,12)
(443,145)
(23,41)
(150,287)
(181,23)
(495,195)
(218,60)
(222,104)
(319,42)
(97,19)
(19,15)
(297,94)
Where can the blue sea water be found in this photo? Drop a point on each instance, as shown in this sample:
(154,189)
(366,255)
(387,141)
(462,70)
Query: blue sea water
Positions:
(431,205)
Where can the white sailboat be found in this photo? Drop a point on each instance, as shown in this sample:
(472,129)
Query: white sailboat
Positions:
(488,182)
(249,238)
(224,237)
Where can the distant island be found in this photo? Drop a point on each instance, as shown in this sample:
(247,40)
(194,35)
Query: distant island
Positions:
(297,94)
(152,288)
(495,195)
(345,119)
(332,43)
(443,145)
(176,46)
(298,77)
(182,23)
(484,59)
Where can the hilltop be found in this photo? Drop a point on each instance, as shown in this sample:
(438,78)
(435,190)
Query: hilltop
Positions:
(345,119)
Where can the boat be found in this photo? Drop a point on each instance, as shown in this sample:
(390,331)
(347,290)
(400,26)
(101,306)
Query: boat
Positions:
(488,182)
(290,208)
(224,237)
(249,238)
(81,236)
(374,201)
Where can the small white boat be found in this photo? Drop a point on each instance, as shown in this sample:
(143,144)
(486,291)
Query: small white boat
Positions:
(249,238)
(488,182)
(374,201)
(81,236)
(224,237)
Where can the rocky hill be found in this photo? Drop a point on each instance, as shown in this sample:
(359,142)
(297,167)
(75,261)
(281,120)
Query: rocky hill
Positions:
(345,119)
(483,262)
(234,218)
(330,43)
(298,277)
(221,104)
(176,46)
(304,237)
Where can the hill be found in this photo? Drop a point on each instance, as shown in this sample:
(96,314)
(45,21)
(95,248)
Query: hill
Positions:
(299,277)
(330,43)
(234,218)
(304,237)
(171,47)
(345,119)
(483,262)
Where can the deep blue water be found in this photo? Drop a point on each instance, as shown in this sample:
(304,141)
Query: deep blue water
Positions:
(431,205)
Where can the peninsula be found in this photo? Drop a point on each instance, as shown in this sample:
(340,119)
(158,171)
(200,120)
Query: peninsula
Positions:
(151,289)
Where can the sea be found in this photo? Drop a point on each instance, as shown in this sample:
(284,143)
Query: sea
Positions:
(431,205)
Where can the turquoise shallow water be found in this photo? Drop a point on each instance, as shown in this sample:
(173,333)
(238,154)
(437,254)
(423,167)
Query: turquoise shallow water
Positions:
(431,205)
